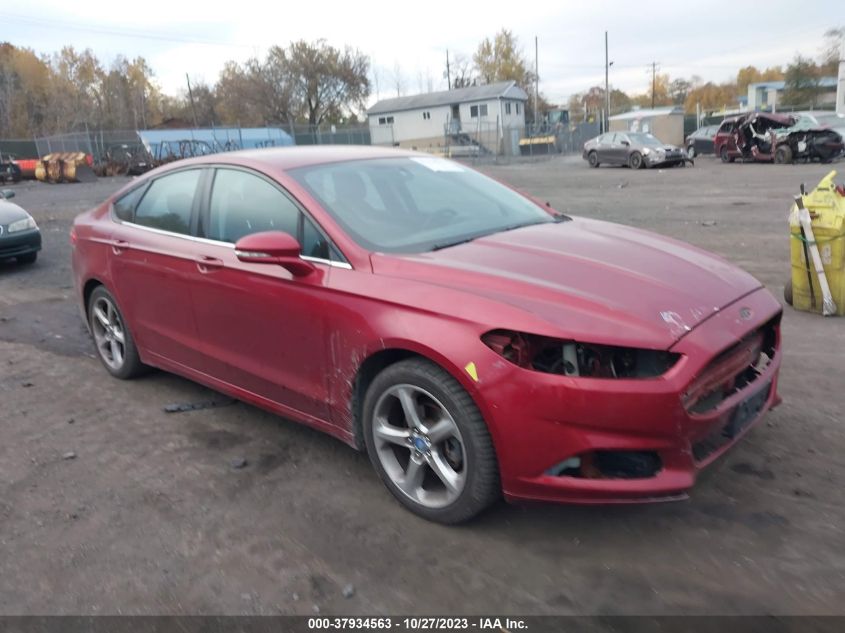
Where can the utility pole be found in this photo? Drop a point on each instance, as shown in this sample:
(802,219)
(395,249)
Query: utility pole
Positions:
(653,82)
(448,72)
(606,87)
(536,80)
(191,95)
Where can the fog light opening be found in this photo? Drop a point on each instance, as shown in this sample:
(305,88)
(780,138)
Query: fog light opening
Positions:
(609,465)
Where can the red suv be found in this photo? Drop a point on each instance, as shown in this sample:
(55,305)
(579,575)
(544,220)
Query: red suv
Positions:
(724,143)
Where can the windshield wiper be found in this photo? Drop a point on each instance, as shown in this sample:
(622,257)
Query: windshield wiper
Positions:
(438,247)
(557,218)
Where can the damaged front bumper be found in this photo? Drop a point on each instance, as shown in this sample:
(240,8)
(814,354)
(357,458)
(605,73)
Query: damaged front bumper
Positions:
(589,440)
(654,159)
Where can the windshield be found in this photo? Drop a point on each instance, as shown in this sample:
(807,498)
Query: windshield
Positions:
(415,204)
(644,139)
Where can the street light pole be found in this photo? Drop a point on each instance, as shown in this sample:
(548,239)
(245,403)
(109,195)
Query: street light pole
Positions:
(606,87)
(536,79)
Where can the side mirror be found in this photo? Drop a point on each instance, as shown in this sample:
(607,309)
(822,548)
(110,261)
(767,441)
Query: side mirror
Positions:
(274,247)
(7,193)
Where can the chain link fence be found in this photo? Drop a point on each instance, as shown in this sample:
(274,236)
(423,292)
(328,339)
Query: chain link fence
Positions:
(483,141)
(330,134)
(479,140)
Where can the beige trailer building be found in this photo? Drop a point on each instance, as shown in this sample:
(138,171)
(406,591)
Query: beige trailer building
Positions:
(667,123)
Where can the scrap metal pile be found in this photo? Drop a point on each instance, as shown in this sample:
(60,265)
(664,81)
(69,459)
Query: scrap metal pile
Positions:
(65,167)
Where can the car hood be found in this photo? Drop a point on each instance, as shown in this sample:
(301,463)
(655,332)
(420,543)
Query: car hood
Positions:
(9,212)
(586,278)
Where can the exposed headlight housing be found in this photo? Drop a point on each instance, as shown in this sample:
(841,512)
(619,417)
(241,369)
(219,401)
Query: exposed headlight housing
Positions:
(22,225)
(573,358)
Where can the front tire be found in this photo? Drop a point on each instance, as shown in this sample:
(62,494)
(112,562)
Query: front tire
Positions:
(723,154)
(593,159)
(783,155)
(635,161)
(691,152)
(115,346)
(429,444)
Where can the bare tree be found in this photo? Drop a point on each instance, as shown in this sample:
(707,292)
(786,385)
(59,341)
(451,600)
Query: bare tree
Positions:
(398,79)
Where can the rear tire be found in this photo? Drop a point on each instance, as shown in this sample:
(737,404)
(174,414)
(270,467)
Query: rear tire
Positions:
(29,258)
(783,155)
(422,429)
(787,292)
(723,154)
(114,343)
(691,151)
(593,159)
(635,161)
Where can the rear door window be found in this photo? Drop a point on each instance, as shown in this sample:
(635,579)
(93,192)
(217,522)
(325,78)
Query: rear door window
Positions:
(168,202)
(124,207)
(243,203)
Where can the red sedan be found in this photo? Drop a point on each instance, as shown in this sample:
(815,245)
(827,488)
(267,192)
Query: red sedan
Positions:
(473,342)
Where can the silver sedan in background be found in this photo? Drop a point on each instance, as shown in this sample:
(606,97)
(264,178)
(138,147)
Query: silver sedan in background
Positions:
(632,149)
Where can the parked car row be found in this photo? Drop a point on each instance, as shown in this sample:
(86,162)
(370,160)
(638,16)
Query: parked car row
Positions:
(757,136)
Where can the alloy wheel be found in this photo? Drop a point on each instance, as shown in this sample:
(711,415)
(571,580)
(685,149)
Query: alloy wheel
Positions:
(109,333)
(419,446)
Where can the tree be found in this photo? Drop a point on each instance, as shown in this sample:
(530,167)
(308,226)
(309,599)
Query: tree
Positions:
(25,89)
(619,101)
(751,75)
(501,59)
(461,72)
(678,90)
(661,96)
(398,79)
(801,83)
(711,96)
(590,104)
(829,64)
(328,82)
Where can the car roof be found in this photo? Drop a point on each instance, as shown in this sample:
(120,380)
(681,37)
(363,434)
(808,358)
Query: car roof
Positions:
(292,157)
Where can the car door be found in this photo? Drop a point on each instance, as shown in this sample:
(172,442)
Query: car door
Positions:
(724,138)
(603,147)
(152,265)
(263,330)
(619,149)
(704,142)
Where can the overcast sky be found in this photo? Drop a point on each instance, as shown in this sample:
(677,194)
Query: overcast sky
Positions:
(710,39)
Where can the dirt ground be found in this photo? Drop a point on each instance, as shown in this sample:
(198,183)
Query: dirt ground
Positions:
(150,517)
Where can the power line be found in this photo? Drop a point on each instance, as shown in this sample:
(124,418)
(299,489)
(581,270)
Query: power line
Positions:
(75,26)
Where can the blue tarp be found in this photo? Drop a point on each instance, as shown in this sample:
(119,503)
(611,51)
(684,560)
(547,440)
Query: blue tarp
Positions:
(211,140)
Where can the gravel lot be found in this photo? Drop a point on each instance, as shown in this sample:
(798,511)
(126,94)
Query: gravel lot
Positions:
(148,516)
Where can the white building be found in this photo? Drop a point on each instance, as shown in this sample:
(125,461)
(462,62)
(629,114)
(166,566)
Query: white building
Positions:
(767,95)
(423,121)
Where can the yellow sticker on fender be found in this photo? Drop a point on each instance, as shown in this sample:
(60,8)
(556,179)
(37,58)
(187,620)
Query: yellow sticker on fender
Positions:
(472,371)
